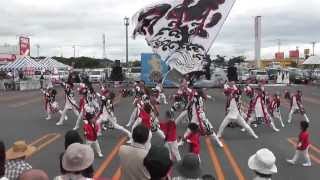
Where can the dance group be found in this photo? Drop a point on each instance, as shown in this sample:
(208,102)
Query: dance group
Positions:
(95,111)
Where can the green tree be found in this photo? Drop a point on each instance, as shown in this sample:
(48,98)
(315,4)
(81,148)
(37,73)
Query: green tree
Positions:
(219,60)
(237,59)
(135,63)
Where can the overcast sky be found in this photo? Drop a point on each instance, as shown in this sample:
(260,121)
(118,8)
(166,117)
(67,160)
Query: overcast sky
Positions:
(59,24)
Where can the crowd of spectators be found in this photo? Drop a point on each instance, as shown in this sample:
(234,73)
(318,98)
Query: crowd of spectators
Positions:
(138,160)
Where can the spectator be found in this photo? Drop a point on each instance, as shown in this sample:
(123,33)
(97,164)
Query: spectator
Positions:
(263,163)
(193,139)
(34,174)
(132,156)
(77,158)
(170,130)
(16,163)
(90,133)
(158,163)
(41,80)
(70,138)
(2,161)
(189,168)
(302,146)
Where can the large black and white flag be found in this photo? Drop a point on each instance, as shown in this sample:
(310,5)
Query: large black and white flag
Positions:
(181,32)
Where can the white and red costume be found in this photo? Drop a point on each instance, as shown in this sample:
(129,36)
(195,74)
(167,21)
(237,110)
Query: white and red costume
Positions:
(169,128)
(90,133)
(274,108)
(150,121)
(70,103)
(233,115)
(187,95)
(258,110)
(193,139)
(302,149)
(107,116)
(83,100)
(297,106)
(199,118)
(138,103)
(160,97)
(50,104)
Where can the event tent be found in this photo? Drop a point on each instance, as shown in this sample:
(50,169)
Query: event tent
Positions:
(312,60)
(51,64)
(23,63)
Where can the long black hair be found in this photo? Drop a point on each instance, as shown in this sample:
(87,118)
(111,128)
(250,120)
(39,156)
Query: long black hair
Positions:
(2,158)
(72,137)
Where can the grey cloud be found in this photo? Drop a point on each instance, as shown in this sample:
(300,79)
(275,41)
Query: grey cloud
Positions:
(60,24)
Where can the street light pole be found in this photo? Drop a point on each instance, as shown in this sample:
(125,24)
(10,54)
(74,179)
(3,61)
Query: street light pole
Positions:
(126,23)
(38,48)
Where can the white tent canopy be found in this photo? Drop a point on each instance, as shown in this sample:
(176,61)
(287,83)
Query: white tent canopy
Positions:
(23,63)
(312,60)
(51,64)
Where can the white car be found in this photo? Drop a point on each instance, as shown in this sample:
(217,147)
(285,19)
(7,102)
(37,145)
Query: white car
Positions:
(60,76)
(259,76)
(96,76)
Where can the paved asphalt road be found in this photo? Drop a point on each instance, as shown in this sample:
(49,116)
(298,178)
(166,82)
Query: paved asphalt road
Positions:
(23,117)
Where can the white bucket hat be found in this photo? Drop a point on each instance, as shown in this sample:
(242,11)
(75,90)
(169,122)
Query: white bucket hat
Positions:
(77,157)
(263,161)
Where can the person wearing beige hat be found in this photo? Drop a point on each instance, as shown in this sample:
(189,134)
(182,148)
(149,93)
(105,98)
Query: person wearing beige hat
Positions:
(16,157)
(263,163)
(77,158)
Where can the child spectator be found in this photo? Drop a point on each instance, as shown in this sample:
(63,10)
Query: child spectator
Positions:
(91,135)
(193,139)
(170,130)
(302,146)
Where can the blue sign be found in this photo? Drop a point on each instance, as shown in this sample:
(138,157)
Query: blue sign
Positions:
(153,69)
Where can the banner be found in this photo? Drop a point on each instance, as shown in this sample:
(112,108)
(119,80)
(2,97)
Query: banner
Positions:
(7,57)
(279,55)
(24,44)
(153,69)
(294,54)
(182,31)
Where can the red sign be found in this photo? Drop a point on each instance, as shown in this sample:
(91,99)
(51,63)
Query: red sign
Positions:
(294,54)
(279,55)
(7,57)
(24,43)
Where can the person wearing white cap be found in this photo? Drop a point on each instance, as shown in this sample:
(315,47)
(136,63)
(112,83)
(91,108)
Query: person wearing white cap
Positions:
(76,159)
(263,163)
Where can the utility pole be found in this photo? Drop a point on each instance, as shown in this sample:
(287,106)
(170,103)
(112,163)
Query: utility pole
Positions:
(279,45)
(38,50)
(103,46)
(126,23)
(74,51)
(313,47)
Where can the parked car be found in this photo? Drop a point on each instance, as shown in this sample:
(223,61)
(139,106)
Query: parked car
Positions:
(96,75)
(243,75)
(273,73)
(59,76)
(257,76)
(134,74)
(297,76)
